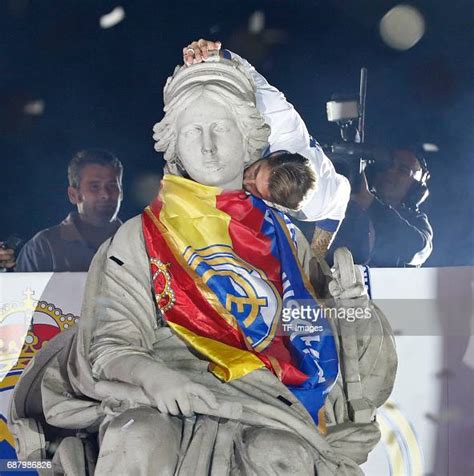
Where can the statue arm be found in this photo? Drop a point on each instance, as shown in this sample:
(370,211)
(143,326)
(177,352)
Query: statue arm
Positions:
(124,322)
(122,317)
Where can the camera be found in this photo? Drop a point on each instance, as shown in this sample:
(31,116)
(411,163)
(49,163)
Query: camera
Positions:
(351,156)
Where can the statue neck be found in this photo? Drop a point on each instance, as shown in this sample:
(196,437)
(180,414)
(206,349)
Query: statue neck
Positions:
(235,184)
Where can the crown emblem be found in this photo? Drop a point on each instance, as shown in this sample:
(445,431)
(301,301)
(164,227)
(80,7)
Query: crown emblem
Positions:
(164,295)
(25,327)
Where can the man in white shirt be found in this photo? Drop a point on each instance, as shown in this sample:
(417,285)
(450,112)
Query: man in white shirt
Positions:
(324,193)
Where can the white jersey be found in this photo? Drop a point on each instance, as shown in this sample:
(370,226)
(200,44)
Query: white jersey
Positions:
(328,200)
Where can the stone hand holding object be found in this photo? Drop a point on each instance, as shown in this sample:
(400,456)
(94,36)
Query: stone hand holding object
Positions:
(348,282)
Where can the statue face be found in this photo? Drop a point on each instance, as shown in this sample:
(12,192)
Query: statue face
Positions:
(210,144)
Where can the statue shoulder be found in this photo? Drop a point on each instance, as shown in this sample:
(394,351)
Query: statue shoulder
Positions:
(130,230)
(127,244)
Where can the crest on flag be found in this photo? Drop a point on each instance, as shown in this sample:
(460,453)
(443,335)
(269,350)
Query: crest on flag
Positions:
(242,289)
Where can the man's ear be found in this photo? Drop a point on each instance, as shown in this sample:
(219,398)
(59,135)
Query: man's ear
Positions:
(73,195)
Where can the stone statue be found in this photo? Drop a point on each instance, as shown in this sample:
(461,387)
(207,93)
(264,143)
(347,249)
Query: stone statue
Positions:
(140,383)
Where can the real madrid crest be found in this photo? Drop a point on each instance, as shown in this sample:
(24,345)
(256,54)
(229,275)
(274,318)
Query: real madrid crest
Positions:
(25,327)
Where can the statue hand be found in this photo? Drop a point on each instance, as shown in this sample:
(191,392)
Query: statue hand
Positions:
(348,282)
(199,51)
(172,392)
(355,440)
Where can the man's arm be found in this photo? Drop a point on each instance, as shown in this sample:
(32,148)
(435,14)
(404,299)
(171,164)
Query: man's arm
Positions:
(288,130)
(326,204)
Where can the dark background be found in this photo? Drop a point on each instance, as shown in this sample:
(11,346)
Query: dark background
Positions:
(103,88)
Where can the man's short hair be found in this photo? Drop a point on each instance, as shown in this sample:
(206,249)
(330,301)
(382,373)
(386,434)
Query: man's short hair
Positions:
(91,156)
(291,179)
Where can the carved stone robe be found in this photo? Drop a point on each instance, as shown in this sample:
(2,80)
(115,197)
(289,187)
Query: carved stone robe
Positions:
(259,427)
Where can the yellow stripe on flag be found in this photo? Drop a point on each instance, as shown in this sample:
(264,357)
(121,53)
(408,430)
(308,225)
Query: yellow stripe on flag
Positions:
(200,284)
(229,362)
(191,222)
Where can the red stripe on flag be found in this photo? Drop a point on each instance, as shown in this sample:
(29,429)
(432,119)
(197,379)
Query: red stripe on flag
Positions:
(244,230)
(191,309)
(255,248)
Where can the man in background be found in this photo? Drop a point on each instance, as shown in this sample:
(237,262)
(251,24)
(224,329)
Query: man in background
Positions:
(384,226)
(95,188)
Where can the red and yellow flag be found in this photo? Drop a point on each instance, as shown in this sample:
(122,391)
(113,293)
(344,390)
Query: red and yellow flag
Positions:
(223,264)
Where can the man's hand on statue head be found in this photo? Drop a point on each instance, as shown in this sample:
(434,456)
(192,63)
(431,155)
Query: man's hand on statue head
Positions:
(200,50)
(173,393)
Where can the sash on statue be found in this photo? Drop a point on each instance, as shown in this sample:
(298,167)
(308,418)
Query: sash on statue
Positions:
(224,266)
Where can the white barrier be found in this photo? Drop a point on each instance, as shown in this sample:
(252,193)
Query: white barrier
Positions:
(431,309)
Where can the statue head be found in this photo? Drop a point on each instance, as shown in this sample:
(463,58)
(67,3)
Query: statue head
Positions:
(211,130)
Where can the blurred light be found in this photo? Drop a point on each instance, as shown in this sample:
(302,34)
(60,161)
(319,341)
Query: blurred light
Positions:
(112,18)
(256,22)
(430,147)
(214,29)
(34,108)
(402,27)
(145,188)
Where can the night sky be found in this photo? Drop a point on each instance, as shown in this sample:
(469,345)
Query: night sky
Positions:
(103,88)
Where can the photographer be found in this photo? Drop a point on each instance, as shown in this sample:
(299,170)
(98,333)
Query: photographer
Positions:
(383,226)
